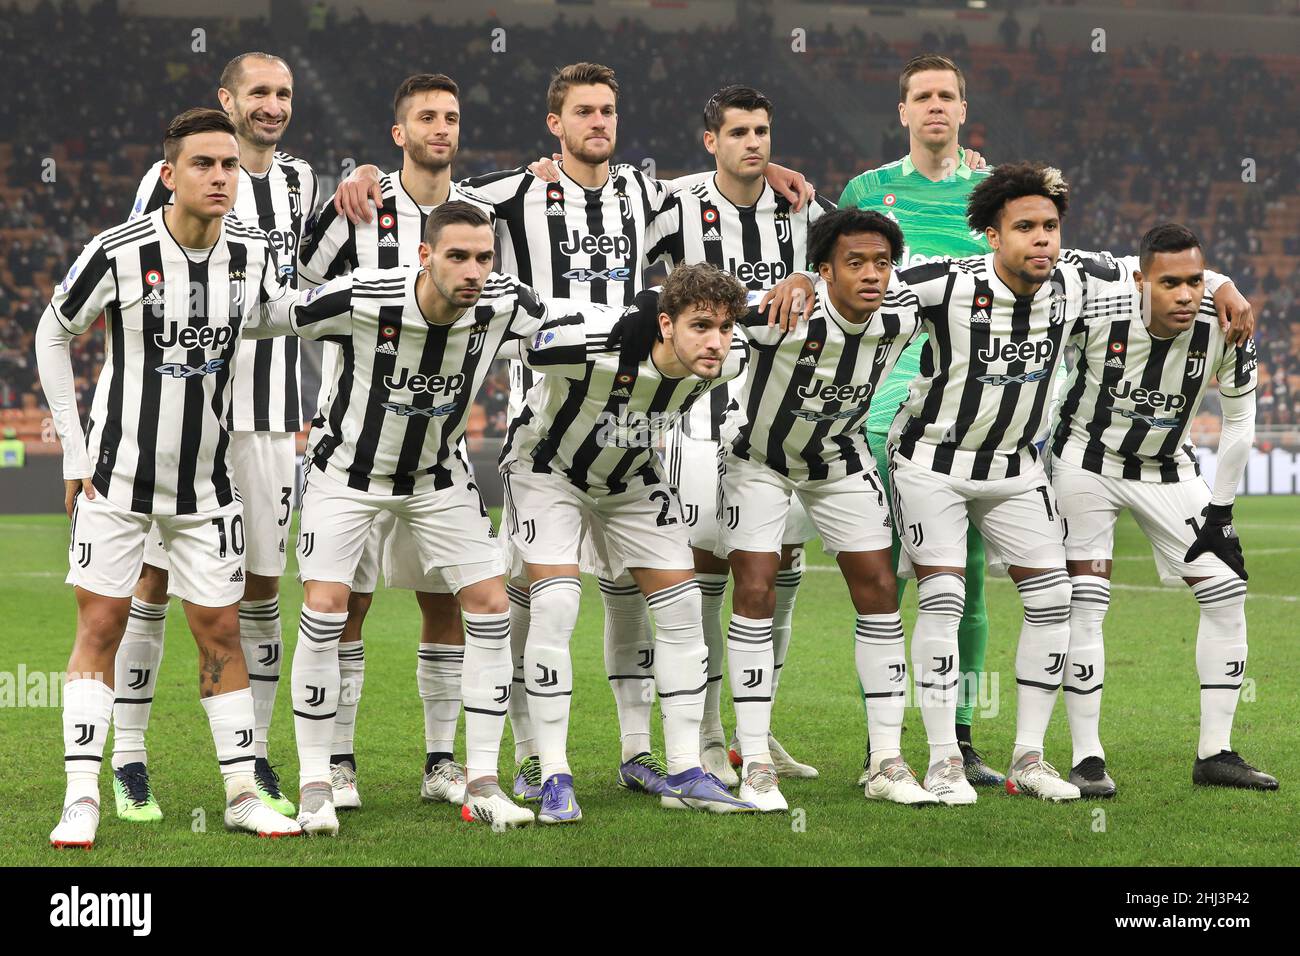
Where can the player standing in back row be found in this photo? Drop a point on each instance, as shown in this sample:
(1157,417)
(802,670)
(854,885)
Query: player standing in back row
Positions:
(277,193)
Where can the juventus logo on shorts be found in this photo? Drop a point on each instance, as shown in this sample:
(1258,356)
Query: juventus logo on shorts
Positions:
(530,532)
(315,695)
(245,738)
(753,677)
(647,659)
(918,534)
(270,654)
(549,678)
(897,672)
(1084,672)
(692,514)
(85,734)
(1236,668)
(503,693)
(733,516)
(139,677)
(83,556)
(943,665)
(1058,663)
(306,543)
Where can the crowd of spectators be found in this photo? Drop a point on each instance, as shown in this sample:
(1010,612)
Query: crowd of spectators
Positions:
(1146,134)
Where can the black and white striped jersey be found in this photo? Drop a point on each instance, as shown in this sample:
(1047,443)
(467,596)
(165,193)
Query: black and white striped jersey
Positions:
(808,391)
(403,388)
(336,246)
(571,242)
(599,414)
(985,384)
(760,245)
(266,395)
(1128,406)
(157,436)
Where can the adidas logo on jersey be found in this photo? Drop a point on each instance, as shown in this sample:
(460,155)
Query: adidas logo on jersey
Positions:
(620,393)
(387,348)
(238,576)
(713,236)
(555,210)
(155,297)
(1114,362)
(981,316)
(387,241)
(808,360)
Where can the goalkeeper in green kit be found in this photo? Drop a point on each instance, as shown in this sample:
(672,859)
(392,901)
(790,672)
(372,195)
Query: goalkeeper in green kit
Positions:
(925,192)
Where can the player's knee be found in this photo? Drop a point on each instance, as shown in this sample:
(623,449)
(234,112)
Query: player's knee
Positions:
(152,586)
(358,606)
(678,612)
(554,603)
(754,596)
(1046,597)
(215,630)
(943,593)
(1089,602)
(1223,605)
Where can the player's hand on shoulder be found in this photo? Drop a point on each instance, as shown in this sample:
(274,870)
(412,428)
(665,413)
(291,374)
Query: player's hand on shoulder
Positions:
(73,487)
(1236,317)
(974,159)
(546,169)
(1217,536)
(355,194)
(787,302)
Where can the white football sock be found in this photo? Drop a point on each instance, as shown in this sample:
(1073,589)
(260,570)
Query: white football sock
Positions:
(314,682)
(352,678)
(485,688)
(787,589)
(749,661)
(438,671)
(681,671)
(881,660)
(629,662)
(1040,656)
(1220,659)
(135,675)
(548,670)
(230,717)
(713,589)
(1085,665)
(940,599)
(259,637)
(87,710)
(521,725)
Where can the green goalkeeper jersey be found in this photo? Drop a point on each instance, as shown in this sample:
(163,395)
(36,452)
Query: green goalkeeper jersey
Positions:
(932,216)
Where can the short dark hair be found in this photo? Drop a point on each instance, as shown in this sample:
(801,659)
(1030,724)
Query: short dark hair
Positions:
(702,284)
(452,213)
(577,74)
(421,83)
(850,222)
(1015,181)
(234,70)
(733,97)
(199,120)
(929,61)
(1166,237)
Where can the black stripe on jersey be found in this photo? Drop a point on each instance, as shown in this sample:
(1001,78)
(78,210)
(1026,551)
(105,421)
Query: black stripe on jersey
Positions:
(1138,430)
(758,376)
(112,433)
(1074,395)
(220,394)
(1043,390)
(150,385)
(293,187)
(264,353)
(389,251)
(814,342)
(1191,385)
(451,423)
(84,283)
(660,402)
(1008,400)
(126,234)
(845,366)
(751,241)
(200,300)
(338,408)
(594,209)
(1094,452)
(417,426)
(625,381)
(627,218)
(936,319)
(363,461)
(345,260)
(557,235)
(784,236)
(848,450)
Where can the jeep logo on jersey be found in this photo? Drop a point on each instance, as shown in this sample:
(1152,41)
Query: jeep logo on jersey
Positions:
(1030,350)
(620,274)
(836,393)
(1158,400)
(606,245)
(408,411)
(765,272)
(178,370)
(285,244)
(447,384)
(634,429)
(189,337)
(1024,378)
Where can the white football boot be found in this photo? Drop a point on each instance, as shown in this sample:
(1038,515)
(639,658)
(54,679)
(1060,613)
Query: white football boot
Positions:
(343,780)
(316,813)
(77,825)
(760,788)
(896,782)
(246,811)
(490,805)
(946,779)
(445,783)
(1035,777)
(785,765)
(713,758)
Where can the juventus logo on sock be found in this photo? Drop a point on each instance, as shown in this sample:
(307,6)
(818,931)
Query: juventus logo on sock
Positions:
(316,695)
(647,658)
(943,665)
(86,733)
(139,677)
(753,677)
(1057,665)
(503,694)
(549,678)
(270,654)
(245,738)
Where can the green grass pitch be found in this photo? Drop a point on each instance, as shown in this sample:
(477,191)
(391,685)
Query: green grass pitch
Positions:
(1149,727)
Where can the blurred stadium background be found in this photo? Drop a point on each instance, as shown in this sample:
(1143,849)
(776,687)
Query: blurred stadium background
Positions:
(1181,110)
